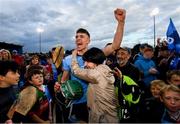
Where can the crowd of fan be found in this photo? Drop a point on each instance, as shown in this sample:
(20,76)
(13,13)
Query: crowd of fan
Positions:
(119,84)
(150,68)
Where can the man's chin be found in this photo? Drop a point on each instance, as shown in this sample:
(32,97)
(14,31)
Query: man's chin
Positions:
(122,63)
(80,49)
(17,81)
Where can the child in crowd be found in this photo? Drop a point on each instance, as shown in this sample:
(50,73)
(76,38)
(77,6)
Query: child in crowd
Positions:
(33,102)
(9,76)
(170,96)
(152,109)
(173,77)
(156,86)
(101,99)
(35,60)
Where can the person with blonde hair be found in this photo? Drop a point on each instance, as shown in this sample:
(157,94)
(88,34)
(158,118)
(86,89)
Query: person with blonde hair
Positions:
(170,96)
(156,86)
(152,109)
(5,54)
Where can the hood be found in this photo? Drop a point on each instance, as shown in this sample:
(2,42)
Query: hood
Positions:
(106,72)
(139,56)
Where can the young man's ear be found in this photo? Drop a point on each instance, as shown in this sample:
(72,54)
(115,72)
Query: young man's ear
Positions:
(88,41)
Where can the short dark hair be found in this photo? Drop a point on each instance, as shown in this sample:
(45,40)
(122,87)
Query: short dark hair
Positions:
(142,46)
(170,73)
(33,72)
(82,30)
(148,48)
(32,67)
(94,55)
(126,49)
(6,66)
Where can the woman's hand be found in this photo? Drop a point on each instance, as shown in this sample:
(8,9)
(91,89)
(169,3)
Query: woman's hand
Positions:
(74,53)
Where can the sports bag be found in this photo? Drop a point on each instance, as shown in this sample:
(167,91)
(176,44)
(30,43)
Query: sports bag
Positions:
(71,89)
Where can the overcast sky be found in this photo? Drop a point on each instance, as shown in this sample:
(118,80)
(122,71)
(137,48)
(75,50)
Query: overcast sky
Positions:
(19,20)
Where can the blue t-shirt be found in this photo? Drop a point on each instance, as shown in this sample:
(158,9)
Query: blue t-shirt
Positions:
(67,67)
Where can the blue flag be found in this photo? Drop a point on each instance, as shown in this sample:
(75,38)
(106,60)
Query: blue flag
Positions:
(173,38)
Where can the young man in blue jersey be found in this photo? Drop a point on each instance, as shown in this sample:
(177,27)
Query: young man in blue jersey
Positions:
(82,40)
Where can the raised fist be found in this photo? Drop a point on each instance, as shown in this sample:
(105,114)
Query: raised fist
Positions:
(120,15)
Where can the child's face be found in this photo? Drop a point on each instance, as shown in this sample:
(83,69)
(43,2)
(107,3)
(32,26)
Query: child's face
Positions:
(11,78)
(155,89)
(148,54)
(35,61)
(171,100)
(37,79)
(175,79)
(89,65)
